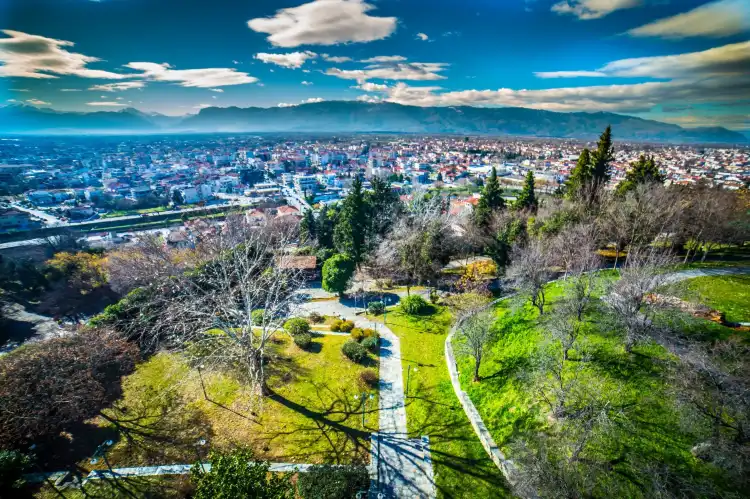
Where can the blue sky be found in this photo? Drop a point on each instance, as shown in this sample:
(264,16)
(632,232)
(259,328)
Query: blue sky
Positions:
(682,61)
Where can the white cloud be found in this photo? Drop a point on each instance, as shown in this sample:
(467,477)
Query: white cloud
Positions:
(37,102)
(715,19)
(285,104)
(423,37)
(415,71)
(732,121)
(729,59)
(313,100)
(371,87)
(219,90)
(119,86)
(105,104)
(324,22)
(385,58)
(235,62)
(213,96)
(372,99)
(592,9)
(204,78)
(292,60)
(335,59)
(33,56)
(19,90)
(201,106)
(70,90)
(307,83)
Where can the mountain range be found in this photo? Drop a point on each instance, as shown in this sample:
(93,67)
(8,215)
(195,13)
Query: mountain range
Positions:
(352,117)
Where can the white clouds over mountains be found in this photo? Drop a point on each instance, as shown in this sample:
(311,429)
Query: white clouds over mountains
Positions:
(324,22)
(714,19)
(292,60)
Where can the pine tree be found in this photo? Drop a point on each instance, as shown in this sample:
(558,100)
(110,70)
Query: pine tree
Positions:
(384,205)
(350,233)
(581,175)
(324,227)
(527,198)
(491,200)
(601,159)
(643,171)
(307,226)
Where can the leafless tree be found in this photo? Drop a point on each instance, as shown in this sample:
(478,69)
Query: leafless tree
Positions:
(631,310)
(474,335)
(530,271)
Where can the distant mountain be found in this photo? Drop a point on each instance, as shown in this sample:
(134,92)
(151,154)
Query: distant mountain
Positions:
(351,116)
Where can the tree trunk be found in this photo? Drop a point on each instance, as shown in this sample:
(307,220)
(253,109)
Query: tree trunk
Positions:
(476,369)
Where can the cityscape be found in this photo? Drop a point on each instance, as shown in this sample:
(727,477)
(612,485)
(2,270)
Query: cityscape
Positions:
(352,249)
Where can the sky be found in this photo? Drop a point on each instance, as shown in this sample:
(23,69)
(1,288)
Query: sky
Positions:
(680,61)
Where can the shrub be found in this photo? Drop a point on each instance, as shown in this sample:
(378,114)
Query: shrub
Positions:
(414,305)
(357,334)
(354,351)
(315,318)
(336,325)
(369,378)
(324,481)
(303,340)
(13,465)
(370,333)
(370,343)
(257,316)
(297,325)
(434,296)
(376,307)
(347,326)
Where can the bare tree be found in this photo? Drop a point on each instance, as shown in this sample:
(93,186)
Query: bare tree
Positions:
(530,271)
(474,335)
(631,310)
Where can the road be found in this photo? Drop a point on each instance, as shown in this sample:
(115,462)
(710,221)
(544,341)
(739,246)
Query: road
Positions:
(50,219)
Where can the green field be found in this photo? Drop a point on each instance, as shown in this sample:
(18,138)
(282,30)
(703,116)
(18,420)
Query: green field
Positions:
(462,467)
(729,294)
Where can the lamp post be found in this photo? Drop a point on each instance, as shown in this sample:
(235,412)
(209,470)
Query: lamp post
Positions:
(200,443)
(203,386)
(365,398)
(385,310)
(409,369)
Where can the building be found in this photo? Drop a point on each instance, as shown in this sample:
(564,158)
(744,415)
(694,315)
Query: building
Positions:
(11,219)
(305,183)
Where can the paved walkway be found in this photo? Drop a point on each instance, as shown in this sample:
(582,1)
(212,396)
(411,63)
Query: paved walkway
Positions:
(401,467)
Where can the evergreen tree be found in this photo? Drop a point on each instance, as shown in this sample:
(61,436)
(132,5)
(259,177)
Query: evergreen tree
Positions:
(581,175)
(527,198)
(307,227)
(439,177)
(643,171)
(491,200)
(384,206)
(601,159)
(350,234)
(324,227)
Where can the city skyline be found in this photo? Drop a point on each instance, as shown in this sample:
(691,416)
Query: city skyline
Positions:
(679,62)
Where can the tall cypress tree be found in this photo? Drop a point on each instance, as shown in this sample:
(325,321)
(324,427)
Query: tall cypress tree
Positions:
(581,175)
(601,159)
(384,205)
(350,234)
(527,198)
(307,227)
(643,171)
(491,200)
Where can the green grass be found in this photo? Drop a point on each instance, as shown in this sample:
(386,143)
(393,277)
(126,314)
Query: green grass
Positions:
(462,467)
(511,408)
(164,487)
(124,213)
(311,416)
(729,294)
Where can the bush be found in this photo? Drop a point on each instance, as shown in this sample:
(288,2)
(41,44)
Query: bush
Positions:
(370,333)
(346,326)
(315,318)
(376,307)
(414,305)
(297,325)
(354,351)
(336,325)
(13,465)
(369,378)
(357,334)
(324,481)
(370,343)
(434,296)
(303,340)
(257,316)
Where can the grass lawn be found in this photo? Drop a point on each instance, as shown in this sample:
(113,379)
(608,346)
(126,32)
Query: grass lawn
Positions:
(512,410)
(311,416)
(163,487)
(729,294)
(461,465)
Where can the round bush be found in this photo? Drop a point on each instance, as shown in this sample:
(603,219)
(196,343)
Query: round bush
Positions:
(354,351)
(370,333)
(346,327)
(376,307)
(357,334)
(414,305)
(370,343)
(336,325)
(303,340)
(368,378)
(257,317)
(315,318)
(324,481)
(297,325)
